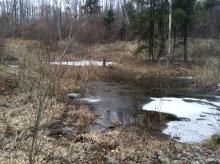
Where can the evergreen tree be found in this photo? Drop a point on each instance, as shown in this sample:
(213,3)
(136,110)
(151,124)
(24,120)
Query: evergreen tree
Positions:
(184,13)
(150,26)
(109,18)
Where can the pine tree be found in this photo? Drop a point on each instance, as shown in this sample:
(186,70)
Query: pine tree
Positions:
(150,22)
(184,13)
(109,18)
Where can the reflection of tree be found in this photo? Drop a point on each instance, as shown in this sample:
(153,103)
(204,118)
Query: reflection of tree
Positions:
(108,112)
(120,117)
(136,99)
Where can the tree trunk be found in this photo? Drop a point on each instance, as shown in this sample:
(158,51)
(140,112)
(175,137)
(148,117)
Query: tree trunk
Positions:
(162,36)
(21,12)
(151,38)
(174,36)
(185,42)
(169,32)
(59,22)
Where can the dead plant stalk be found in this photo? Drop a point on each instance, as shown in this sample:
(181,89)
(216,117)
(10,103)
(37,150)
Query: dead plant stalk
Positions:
(42,99)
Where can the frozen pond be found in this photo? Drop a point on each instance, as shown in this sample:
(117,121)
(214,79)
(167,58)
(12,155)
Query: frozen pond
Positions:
(82,63)
(201,117)
(192,115)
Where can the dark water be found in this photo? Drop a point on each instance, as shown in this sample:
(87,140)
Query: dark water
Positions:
(170,104)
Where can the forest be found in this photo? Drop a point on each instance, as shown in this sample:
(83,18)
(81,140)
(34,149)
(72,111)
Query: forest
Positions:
(110,81)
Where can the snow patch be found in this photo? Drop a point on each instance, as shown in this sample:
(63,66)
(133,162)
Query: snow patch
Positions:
(83,63)
(201,113)
(91,99)
(13,66)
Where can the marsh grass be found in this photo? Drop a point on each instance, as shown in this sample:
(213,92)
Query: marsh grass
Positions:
(209,73)
(81,118)
(119,51)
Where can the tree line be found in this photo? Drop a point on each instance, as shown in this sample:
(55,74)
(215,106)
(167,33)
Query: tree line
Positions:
(106,21)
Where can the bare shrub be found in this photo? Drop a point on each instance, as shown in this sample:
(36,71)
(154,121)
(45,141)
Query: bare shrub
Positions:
(87,34)
(16,122)
(75,49)
(63,86)
(81,118)
(37,79)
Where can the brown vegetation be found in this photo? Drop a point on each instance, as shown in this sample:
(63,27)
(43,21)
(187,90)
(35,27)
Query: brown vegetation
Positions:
(208,74)
(8,80)
(81,117)
(19,112)
(33,97)
(16,123)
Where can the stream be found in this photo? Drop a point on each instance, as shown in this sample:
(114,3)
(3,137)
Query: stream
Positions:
(171,104)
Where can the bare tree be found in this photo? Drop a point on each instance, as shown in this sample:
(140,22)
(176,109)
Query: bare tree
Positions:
(169,32)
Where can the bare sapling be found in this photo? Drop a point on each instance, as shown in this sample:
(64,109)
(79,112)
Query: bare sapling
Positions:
(43,98)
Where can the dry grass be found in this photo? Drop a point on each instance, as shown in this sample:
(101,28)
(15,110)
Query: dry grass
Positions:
(201,49)
(17,48)
(16,122)
(124,146)
(84,73)
(64,86)
(75,49)
(20,113)
(17,119)
(8,79)
(124,72)
(146,69)
(209,74)
(81,118)
(133,145)
(123,52)
(119,51)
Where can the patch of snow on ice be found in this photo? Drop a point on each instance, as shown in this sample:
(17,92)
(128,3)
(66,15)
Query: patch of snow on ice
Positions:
(83,63)
(201,113)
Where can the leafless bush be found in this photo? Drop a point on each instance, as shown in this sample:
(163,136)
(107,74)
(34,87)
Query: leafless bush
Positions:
(75,49)
(42,31)
(38,85)
(44,89)
(81,118)
(63,86)
(92,32)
